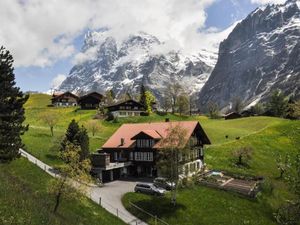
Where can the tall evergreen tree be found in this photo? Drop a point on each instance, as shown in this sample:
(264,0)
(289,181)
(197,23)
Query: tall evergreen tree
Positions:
(70,135)
(143,97)
(11,110)
(82,139)
(76,136)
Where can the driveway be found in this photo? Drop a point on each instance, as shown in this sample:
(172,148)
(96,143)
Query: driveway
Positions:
(111,195)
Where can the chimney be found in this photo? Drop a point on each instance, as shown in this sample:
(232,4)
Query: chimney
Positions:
(167,120)
(122,141)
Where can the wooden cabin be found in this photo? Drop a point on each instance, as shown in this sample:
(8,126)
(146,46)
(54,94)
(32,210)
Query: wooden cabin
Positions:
(126,108)
(66,99)
(232,115)
(91,100)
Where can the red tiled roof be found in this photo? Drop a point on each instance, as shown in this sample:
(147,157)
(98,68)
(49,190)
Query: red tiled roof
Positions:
(151,133)
(128,131)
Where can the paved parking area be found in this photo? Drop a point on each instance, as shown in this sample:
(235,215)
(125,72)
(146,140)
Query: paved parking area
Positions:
(111,194)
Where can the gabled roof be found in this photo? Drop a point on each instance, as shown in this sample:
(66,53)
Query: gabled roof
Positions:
(233,113)
(123,102)
(63,94)
(95,95)
(150,133)
(127,132)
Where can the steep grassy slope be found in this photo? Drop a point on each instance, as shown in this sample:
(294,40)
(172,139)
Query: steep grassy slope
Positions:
(25,200)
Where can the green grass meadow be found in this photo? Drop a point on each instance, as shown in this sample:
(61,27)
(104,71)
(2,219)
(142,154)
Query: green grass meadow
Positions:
(25,200)
(196,205)
(201,205)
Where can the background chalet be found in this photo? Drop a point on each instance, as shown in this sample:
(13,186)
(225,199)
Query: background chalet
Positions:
(65,99)
(126,108)
(133,150)
(91,100)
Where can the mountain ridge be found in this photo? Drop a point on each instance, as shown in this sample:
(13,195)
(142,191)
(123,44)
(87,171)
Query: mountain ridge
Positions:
(261,54)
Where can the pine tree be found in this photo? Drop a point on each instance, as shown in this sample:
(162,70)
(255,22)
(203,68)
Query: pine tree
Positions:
(143,95)
(70,136)
(82,139)
(77,136)
(11,110)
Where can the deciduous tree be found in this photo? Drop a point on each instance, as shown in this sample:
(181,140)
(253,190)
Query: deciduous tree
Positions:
(243,155)
(51,119)
(12,113)
(278,104)
(93,126)
(183,104)
(150,99)
(74,174)
(213,110)
(170,157)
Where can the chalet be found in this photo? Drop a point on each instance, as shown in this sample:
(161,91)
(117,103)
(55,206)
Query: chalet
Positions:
(65,99)
(232,115)
(126,108)
(133,150)
(90,101)
(247,113)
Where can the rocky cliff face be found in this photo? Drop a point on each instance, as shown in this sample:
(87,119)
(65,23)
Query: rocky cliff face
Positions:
(260,55)
(106,64)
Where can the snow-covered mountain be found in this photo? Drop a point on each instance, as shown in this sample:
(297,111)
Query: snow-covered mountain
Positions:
(105,63)
(260,55)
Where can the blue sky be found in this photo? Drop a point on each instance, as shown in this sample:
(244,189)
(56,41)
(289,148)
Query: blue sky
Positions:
(220,14)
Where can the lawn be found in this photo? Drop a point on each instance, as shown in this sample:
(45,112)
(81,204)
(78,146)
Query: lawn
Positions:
(25,200)
(201,205)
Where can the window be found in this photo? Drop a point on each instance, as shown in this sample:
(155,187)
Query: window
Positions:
(143,156)
(144,143)
(115,155)
(131,155)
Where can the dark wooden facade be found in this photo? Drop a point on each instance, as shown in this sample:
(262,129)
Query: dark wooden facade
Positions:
(143,151)
(64,100)
(232,115)
(91,100)
(126,108)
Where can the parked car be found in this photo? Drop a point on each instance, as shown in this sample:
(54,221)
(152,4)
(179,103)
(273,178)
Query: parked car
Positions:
(148,188)
(163,183)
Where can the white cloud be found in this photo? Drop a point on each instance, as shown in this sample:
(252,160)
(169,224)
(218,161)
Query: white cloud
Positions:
(40,32)
(58,80)
(85,56)
(263,2)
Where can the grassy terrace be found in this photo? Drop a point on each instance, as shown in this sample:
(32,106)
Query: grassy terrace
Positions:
(24,200)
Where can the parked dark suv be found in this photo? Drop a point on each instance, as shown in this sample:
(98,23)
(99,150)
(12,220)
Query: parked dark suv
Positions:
(148,188)
(163,183)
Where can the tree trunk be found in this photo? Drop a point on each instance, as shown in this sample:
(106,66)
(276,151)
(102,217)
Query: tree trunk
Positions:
(51,129)
(57,202)
(281,173)
(240,160)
